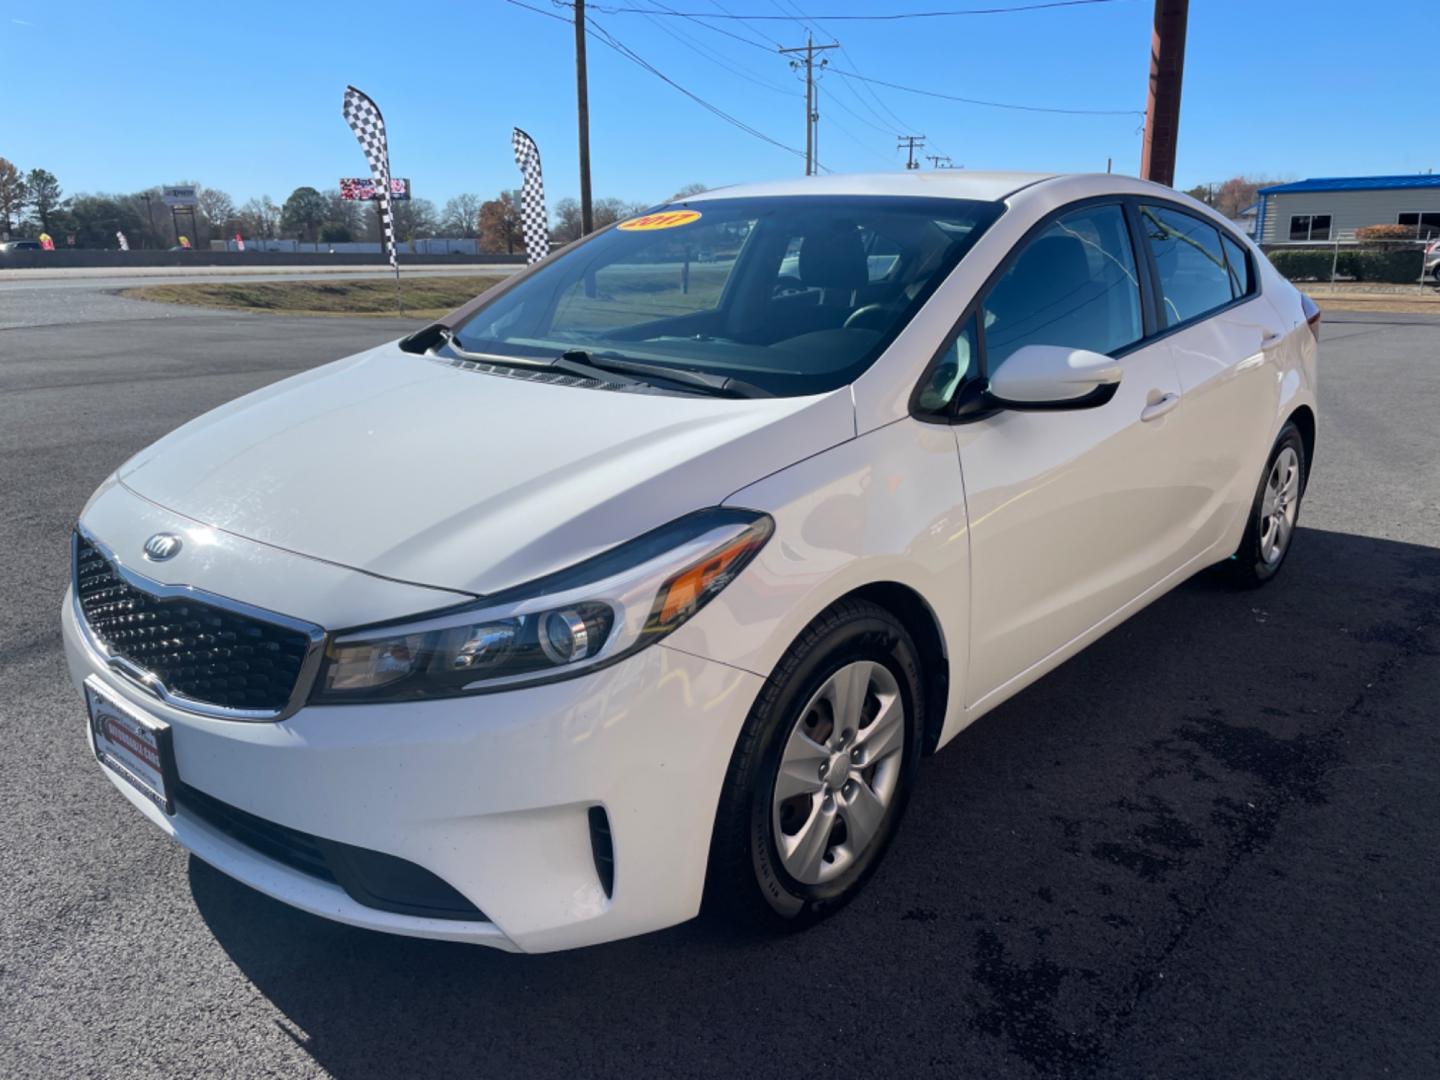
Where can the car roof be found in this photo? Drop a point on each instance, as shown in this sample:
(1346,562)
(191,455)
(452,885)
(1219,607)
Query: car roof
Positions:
(945,184)
(933,183)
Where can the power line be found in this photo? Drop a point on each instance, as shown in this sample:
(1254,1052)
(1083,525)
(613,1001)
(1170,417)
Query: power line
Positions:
(541,11)
(887,17)
(806,23)
(867,147)
(625,51)
(884,125)
(716,58)
(882,128)
(595,30)
(699,20)
(773,41)
(990,104)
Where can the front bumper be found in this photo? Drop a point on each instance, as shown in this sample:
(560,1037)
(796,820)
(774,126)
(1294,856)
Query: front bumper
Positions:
(490,793)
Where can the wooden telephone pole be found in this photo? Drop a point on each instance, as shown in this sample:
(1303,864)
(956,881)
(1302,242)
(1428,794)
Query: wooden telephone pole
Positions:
(582,101)
(1162,110)
(812,116)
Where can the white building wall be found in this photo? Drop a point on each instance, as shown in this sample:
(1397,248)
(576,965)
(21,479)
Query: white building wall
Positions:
(1348,210)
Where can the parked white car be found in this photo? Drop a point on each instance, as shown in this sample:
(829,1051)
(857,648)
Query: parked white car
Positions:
(642,580)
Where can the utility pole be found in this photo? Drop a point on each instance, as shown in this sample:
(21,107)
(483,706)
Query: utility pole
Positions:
(150,213)
(940,161)
(910,143)
(1162,111)
(812,117)
(582,101)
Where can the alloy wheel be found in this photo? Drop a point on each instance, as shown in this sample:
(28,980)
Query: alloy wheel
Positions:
(1279,506)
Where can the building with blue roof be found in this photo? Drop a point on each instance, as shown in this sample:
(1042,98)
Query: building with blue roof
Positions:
(1328,210)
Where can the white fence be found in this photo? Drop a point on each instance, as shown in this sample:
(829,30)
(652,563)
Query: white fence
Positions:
(439,246)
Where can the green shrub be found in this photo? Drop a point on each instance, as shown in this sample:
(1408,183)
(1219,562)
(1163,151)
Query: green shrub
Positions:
(1301,264)
(1393,266)
(1396,266)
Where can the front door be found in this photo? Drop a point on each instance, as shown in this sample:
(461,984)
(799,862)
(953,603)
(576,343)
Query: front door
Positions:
(1073,513)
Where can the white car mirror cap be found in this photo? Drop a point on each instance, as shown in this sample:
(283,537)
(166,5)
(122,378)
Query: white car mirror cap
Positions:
(1053,375)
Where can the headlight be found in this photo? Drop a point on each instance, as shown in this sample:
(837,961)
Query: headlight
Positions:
(557,626)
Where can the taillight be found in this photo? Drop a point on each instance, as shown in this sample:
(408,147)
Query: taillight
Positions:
(1312,314)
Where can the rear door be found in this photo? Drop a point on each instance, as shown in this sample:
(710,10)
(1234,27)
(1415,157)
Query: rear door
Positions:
(1073,513)
(1225,339)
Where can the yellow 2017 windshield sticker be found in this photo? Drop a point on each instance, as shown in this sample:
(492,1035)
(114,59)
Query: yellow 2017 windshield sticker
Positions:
(667,219)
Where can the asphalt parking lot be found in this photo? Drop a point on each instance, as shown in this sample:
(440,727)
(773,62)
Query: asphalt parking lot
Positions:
(1206,847)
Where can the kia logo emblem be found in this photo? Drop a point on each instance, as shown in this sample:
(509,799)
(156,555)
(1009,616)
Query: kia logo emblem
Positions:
(162,546)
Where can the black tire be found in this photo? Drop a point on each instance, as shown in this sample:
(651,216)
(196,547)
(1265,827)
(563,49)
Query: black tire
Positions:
(747,883)
(1248,568)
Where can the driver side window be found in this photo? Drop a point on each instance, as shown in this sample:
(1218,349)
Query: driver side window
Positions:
(1074,285)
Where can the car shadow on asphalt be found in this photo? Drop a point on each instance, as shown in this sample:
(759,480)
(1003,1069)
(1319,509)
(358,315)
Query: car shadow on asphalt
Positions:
(1054,861)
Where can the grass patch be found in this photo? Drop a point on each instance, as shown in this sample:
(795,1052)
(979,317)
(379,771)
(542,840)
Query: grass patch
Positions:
(425,297)
(1415,303)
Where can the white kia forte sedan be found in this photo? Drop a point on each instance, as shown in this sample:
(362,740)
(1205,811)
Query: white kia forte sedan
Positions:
(646,579)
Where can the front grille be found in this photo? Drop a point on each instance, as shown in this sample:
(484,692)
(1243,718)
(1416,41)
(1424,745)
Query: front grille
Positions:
(204,652)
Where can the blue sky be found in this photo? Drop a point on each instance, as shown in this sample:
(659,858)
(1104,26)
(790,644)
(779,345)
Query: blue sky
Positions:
(114,97)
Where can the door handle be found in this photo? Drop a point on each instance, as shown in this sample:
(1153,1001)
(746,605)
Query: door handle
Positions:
(1159,407)
(1268,338)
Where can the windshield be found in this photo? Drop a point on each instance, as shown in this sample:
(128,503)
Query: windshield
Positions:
(794,295)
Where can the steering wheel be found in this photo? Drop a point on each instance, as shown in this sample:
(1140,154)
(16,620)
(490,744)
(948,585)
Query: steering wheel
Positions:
(786,284)
(862,315)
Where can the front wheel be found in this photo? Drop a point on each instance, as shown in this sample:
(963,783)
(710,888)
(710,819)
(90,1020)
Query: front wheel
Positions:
(821,773)
(1273,514)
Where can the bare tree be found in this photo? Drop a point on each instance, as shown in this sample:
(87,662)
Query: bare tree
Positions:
(415,219)
(606,212)
(218,209)
(260,218)
(461,216)
(345,216)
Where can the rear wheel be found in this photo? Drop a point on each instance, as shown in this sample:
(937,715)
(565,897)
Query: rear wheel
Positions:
(821,773)
(1273,514)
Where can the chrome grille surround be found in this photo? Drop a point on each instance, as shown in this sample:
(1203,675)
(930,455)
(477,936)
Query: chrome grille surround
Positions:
(290,644)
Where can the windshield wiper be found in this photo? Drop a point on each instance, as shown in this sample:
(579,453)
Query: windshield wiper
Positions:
(581,361)
(616,368)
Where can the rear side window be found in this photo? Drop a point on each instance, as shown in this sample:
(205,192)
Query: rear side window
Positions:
(1241,283)
(1074,285)
(1194,276)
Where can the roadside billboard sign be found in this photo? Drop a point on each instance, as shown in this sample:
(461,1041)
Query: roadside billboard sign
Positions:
(363,189)
(177,197)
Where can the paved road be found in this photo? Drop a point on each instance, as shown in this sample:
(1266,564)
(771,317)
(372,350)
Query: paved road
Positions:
(90,277)
(1204,848)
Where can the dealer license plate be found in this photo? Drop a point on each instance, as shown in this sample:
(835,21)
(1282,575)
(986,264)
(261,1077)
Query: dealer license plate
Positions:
(134,746)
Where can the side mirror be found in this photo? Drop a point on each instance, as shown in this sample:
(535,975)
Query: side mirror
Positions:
(1054,377)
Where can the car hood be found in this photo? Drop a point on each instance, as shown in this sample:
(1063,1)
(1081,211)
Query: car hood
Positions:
(412,469)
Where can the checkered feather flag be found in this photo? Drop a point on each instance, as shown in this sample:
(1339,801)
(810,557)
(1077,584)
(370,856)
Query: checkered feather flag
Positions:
(532,197)
(364,118)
